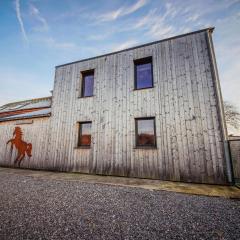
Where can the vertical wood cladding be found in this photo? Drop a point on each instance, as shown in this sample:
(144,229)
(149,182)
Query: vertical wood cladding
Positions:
(235,154)
(183,102)
(34,131)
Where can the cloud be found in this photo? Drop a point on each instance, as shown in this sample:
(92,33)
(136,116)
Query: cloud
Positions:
(193,18)
(73,13)
(125,45)
(19,17)
(146,19)
(122,11)
(171,10)
(156,23)
(61,45)
(112,15)
(139,4)
(160,30)
(36,13)
(198,9)
(99,37)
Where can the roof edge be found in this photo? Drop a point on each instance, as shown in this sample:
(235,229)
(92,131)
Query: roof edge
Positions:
(19,110)
(23,118)
(27,100)
(210,29)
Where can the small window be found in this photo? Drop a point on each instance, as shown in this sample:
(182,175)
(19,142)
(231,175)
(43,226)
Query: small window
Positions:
(145,132)
(143,73)
(87,83)
(84,139)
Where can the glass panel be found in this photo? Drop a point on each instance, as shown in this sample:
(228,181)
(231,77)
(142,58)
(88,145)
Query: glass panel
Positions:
(146,135)
(85,138)
(88,85)
(144,75)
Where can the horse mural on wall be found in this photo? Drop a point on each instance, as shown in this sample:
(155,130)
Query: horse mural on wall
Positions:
(21,146)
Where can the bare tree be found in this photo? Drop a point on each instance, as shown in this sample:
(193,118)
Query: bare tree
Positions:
(232,116)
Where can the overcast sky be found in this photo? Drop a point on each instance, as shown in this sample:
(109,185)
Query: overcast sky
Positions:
(37,35)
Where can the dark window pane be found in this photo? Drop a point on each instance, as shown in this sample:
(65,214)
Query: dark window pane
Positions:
(144,75)
(145,132)
(85,134)
(88,85)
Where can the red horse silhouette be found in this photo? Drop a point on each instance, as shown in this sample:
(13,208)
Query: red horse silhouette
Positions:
(21,146)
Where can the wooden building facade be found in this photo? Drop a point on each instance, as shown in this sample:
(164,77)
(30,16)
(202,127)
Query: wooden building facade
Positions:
(26,123)
(152,111)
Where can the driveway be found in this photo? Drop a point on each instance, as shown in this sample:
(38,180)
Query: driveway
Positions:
(42,208)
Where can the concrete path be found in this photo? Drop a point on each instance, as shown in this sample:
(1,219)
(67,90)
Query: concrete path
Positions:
(189,188)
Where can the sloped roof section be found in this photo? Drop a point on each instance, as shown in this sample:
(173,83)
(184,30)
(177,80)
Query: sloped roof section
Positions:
(38,107)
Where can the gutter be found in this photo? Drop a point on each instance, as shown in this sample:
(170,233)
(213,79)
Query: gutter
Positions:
(220,108)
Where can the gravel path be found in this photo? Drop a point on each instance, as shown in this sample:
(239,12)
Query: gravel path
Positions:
(32,208)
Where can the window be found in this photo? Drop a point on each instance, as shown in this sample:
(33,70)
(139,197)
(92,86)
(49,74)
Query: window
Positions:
(87,83)
(145,132)
(84,139)
(143,73)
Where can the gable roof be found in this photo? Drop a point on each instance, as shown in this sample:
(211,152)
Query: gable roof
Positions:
(38,107)
(210,29)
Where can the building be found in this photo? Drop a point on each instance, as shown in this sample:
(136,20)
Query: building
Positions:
(151,111)
(31,119)
(234,146)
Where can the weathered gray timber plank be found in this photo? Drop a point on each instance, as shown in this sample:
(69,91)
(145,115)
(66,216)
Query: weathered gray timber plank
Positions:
(183,102)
